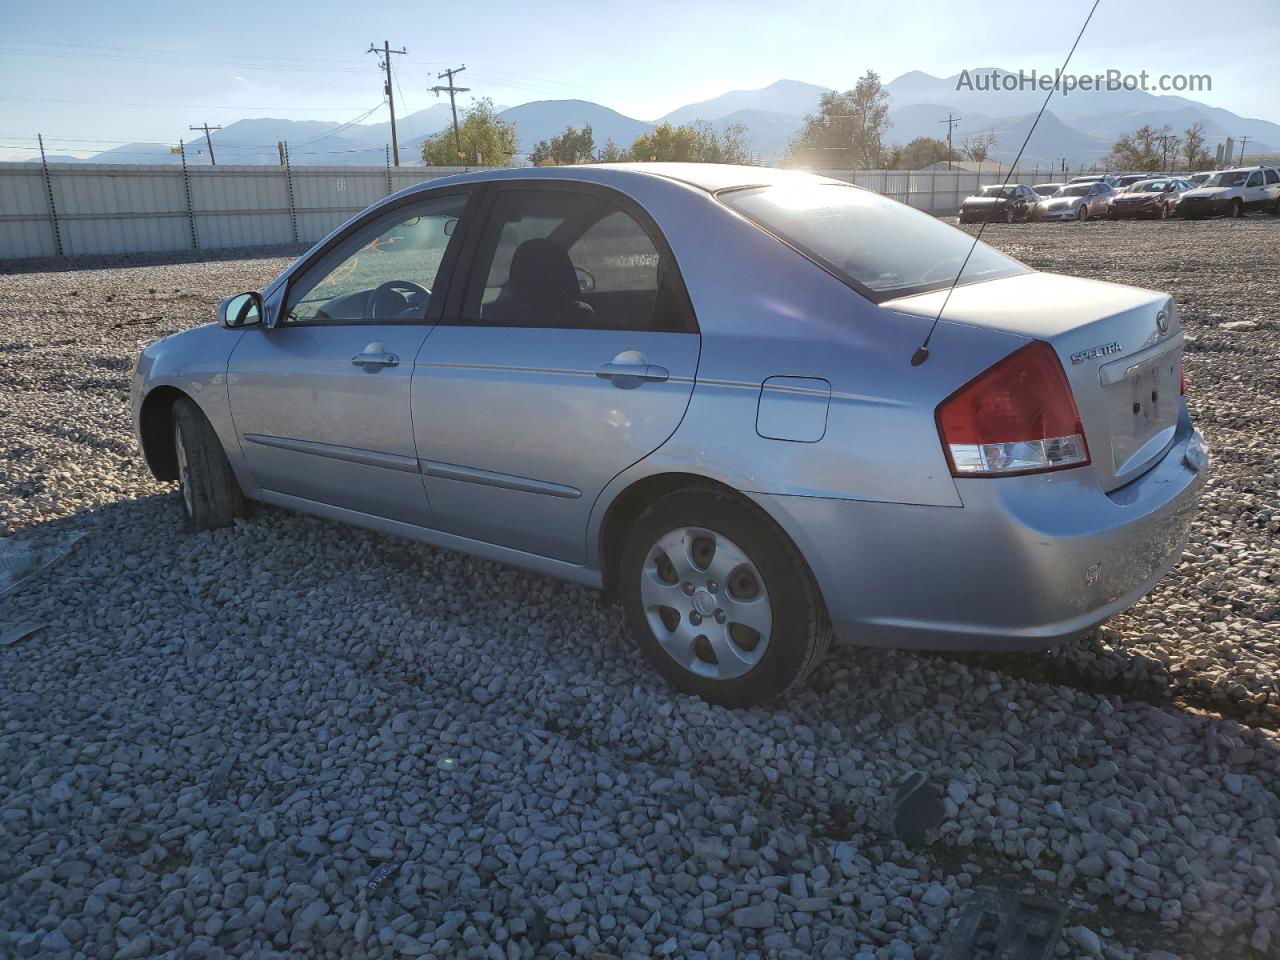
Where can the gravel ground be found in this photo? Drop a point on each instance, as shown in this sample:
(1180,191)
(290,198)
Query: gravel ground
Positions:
(297,738)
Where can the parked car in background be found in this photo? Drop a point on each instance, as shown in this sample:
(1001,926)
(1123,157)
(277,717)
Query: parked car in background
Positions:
(1234,193)
(561,368)
(1106,178)
(1045,190)
(1000,204)
(1129,179)
(1196,179)
(1152,199)
(1077,201)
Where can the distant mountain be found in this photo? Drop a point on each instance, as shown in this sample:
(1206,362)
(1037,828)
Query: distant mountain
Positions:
(786,97)
(1124,110)
(544,119)
(1081,126)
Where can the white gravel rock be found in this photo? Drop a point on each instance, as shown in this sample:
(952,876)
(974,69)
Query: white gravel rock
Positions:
(216,742)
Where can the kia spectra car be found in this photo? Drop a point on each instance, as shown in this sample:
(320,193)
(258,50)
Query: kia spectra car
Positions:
(702,389)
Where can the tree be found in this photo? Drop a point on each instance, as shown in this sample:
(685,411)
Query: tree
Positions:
(919,153)
(486,139)
(572,146)
(848,130)
(978,147)
(1147,148)
(1193,147)
(611,153)
(691,143)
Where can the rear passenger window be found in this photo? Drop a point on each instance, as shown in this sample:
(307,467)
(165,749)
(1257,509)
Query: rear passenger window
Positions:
(563,258)
(1273,177)
(1255,179)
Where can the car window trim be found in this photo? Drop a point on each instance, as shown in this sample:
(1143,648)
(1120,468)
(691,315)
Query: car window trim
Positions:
(448,263)
(491,190)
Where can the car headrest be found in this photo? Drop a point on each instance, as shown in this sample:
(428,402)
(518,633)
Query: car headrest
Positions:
(541,273)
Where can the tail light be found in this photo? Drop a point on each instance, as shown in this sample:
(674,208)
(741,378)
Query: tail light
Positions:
(1017,417)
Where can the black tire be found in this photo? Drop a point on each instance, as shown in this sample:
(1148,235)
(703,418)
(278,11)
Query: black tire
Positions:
(1237,209)
(800,632)
(1275,208)
(1164,211)
(208,493)
(1082,212)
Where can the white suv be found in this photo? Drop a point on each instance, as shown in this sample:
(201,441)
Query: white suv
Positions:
(1234,193)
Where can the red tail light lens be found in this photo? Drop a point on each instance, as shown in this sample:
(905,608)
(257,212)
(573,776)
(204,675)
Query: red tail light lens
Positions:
(1017,417)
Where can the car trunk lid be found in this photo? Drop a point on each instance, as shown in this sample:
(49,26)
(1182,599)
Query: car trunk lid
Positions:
(1121,348)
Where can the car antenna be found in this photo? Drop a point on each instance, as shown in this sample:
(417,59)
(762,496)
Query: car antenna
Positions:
(922,351)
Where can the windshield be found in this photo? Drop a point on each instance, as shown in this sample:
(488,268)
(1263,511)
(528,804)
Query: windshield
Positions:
(1047,189)
(1151,186)
(1228,178)
(998,191)
(1076,190)
(883,248)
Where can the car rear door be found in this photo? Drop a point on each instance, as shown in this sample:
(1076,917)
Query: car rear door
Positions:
(321,400)
(569,354)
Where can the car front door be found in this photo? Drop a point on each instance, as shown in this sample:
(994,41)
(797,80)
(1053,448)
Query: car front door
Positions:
(569,355)
(1255,195)
(321,400)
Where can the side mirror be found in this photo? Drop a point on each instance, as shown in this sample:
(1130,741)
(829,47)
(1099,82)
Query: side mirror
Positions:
(242,310)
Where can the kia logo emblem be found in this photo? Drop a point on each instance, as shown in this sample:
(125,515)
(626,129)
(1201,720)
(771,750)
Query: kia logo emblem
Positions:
(1162,322)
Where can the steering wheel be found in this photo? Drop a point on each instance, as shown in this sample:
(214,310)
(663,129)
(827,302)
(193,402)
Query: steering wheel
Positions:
(379,298)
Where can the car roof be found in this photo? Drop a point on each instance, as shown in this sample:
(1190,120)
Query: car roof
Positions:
(711,177)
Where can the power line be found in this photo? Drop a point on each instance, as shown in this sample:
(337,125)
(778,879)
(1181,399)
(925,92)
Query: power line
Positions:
(453,104)
(208,140)
(385,63)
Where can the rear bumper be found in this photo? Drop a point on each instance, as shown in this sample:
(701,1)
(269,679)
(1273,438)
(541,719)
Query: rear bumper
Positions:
(1025,563)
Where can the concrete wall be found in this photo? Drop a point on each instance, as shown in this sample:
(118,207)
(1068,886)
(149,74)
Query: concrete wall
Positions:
(135,208)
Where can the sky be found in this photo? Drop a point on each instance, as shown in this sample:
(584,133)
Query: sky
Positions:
(93,74)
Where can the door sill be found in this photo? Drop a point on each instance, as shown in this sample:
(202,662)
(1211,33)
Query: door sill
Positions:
(575,572)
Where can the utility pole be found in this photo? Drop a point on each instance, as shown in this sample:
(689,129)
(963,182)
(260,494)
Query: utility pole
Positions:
(386,53)
(453,105)
(950,122)
(1243,141)
(208,141)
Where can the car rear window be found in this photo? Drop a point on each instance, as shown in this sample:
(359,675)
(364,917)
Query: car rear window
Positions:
(882,248)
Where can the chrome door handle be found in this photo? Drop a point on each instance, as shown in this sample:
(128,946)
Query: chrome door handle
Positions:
(648,372)
(375,360)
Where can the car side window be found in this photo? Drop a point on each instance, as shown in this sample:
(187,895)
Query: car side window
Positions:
(383,272)
(1272,176)
(1255,179)
(564,258)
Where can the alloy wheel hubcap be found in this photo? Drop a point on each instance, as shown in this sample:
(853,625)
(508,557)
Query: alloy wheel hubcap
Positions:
(184,469)
(706,603)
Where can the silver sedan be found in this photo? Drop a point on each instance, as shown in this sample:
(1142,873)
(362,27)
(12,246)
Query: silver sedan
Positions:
(701,389)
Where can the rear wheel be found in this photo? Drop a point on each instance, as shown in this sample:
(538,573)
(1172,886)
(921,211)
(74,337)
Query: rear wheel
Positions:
(208,491)
(720,600)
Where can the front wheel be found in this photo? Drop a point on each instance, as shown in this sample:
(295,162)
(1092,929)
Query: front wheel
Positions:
(1008,216)
(720,600)
(207,488)
(1237,209)
(1082,213)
